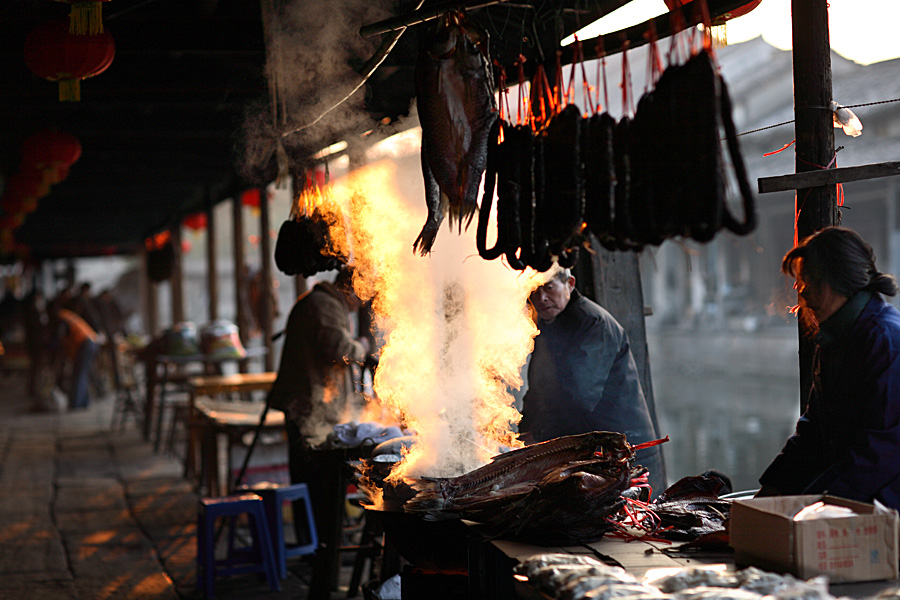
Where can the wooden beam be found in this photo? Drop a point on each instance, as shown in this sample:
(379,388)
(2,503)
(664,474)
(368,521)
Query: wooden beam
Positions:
(212,275)
(265,250)
(808,179)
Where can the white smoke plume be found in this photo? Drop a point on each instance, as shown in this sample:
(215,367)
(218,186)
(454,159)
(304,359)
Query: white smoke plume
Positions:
(312,48)
(456,327)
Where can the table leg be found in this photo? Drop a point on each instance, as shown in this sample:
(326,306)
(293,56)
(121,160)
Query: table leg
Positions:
(161,407)
(150,365)
(190,458)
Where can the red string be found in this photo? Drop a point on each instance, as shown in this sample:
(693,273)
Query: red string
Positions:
(523,97)
(676,21)
(650,443)
(654,60)
(601,52)
(586,87)
(785,147)
(626,81)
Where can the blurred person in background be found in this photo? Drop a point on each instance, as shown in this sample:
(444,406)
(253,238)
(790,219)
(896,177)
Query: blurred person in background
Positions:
(75,344)
(847,442)
(582,376)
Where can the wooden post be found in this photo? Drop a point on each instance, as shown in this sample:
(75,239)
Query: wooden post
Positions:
(177,278)
(617,288)
(240,279)
(814,135)
(212,278)
(148,295)
(265,249)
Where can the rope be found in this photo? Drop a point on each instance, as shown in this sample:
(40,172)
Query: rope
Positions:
(844,105)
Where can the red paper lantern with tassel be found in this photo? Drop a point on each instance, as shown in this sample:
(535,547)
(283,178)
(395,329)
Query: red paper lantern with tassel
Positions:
(85,16)
(54,54)
(53,152)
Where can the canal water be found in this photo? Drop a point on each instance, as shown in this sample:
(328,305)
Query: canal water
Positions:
(728,400)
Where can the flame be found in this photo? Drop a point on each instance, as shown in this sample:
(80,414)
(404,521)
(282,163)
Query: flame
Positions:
(456,328)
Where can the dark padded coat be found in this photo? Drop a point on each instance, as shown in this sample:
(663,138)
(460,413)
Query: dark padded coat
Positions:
(582,377)
(847,442)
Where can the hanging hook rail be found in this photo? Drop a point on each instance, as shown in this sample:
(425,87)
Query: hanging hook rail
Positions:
(421,16)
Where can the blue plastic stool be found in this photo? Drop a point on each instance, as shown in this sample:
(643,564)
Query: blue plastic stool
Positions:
(257,559)
(274,496)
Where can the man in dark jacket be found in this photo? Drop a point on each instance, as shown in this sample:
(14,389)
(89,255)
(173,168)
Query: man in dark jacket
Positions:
(582,376)
(847,442)
(314,386)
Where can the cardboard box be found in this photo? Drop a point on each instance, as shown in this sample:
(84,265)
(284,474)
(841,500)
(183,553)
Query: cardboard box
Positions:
(857,548)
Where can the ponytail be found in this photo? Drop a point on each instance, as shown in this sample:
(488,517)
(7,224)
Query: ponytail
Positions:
(883,284)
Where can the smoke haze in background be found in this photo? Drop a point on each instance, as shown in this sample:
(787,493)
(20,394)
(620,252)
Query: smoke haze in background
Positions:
(313,47)
(456,327)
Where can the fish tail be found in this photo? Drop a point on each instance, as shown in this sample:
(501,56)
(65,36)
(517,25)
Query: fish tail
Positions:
(423,243)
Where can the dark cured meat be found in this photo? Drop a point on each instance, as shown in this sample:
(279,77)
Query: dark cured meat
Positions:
(623,231)
(521,177)
(562,208)
(455,101)
(537,255)
(699,151)
(599,174)
(740,171)
(495,156)
(645,191)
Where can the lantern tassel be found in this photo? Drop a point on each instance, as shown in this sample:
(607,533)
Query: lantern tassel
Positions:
(86,18)
(69,90)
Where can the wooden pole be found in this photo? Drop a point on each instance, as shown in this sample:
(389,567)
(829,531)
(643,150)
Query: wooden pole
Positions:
(240,279)
(265,249)
(618,289)
(212,278)
(177,280)
(814,135)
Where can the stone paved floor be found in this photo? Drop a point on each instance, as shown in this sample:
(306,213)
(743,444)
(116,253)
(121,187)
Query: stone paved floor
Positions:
(91,513)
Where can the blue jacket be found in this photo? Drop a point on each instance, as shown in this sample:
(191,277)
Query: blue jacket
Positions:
(847,443)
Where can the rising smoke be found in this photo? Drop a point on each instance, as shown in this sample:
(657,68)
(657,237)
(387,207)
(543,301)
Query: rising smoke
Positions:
(456,327)
(312,48)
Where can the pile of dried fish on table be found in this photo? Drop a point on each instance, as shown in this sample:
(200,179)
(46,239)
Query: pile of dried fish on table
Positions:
(577,577)
(562,491)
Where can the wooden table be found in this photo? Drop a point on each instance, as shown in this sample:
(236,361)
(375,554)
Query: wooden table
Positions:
(157,377)
(208,417)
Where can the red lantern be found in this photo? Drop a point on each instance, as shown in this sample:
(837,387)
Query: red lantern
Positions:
(53,152)
(85,17)
(196,221)
(251,198)
(738,12)
(51,52)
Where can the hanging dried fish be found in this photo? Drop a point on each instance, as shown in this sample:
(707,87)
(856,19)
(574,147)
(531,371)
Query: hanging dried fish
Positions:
(455,101)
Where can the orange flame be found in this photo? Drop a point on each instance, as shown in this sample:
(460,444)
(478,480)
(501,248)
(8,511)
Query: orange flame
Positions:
(456,328)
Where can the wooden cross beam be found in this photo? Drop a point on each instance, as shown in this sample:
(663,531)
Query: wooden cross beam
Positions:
(808,179)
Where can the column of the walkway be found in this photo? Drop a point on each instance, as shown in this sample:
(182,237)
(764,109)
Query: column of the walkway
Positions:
(814,135)
(240,281)
(212,279)
(265,249)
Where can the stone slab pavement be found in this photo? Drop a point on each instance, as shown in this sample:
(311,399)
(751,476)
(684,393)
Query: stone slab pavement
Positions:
(92,513)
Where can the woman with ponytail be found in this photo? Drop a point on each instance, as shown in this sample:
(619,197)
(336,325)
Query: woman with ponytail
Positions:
(847,442)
